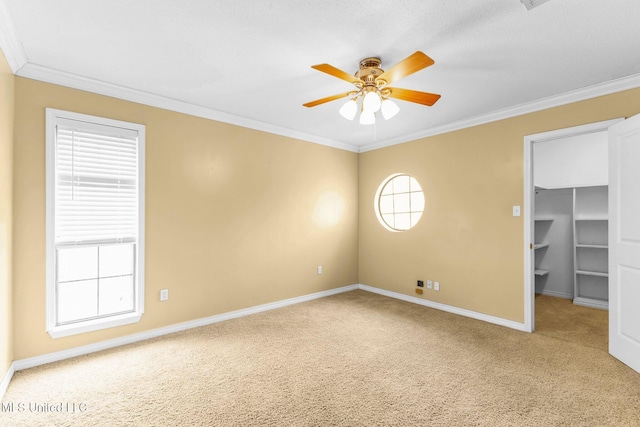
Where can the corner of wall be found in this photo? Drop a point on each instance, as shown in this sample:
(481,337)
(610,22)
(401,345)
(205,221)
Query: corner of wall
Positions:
(6,219)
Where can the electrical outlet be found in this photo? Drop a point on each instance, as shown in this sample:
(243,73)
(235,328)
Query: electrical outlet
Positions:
(164,294)
(420,284)
(319,269)
(419,291)
(429,284)
(436,286)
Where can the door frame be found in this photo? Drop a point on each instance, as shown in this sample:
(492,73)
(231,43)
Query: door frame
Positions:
(529,206)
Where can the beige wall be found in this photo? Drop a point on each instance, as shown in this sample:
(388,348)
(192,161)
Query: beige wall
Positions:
(6,207)
(467,239)
(234,217)
(237,217)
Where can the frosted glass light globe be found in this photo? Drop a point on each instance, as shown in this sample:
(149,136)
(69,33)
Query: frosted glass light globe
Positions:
(371,102)
(389,109)
(349,109)
(367,118)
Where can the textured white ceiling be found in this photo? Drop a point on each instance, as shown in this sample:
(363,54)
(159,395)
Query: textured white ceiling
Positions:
(251,59)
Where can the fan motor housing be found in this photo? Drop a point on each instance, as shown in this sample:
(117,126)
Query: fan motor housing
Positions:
(369,70)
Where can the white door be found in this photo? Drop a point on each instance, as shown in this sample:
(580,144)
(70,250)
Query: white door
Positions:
(624,242)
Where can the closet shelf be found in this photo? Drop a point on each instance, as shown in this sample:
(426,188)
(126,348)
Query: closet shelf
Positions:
(591,218)
(540,245)
(592,273)
(543,218)
(590,225)
(593,246)
(541,272)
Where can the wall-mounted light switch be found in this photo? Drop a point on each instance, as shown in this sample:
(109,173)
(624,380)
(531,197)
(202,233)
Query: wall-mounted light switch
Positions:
(516,211)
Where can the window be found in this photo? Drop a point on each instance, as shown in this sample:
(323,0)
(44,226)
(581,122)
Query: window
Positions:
(399,202)
(95,223)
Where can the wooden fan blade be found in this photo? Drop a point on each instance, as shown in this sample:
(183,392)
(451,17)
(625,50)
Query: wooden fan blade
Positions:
(335,72)
(424,98)
(407,66)
(327,99)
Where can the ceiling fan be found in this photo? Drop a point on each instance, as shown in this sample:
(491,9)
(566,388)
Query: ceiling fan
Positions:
(372,85)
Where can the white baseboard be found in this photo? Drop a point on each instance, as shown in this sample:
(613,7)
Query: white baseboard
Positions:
(116,342)
(6,380)
(556,294)
(129,339)
(448,308)
(593,303)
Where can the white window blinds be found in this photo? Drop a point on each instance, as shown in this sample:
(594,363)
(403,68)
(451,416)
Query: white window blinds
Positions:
(96,183)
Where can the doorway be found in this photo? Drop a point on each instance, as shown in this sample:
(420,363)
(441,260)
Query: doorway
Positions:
(560,141)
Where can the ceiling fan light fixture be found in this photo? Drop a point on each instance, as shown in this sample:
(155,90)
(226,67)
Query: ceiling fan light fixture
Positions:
(371,102)
(389,109)
(349,109)
(367,118)
(372,85)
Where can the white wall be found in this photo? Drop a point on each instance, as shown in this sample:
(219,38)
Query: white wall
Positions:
(575,161)
(557,258)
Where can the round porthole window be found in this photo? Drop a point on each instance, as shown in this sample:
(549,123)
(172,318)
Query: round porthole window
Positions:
(399,202)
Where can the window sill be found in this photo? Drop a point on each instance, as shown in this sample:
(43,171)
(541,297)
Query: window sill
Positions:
(94,325)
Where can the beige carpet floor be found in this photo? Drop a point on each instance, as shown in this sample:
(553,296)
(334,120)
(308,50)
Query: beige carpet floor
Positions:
(353,359)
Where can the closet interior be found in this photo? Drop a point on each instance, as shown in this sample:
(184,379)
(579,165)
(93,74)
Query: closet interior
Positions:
(571,219)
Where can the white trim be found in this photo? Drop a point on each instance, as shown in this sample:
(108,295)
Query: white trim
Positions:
(529,252)
(557,294)
(45,74)
(376,203)
(588,302)
(129,339)
(9,42)
(444,307)
(529,140)
(50,170)
(6,380)
(116,342)
(593,91)
(94,325)
(38,72)
(574,130)
(52,115)
(142,198)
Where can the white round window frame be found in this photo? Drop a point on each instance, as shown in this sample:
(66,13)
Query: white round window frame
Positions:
(376,202)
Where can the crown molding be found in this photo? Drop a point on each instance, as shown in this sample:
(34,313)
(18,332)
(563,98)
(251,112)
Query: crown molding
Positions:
(594,91)
(9,42)
(49,75)
(18,62)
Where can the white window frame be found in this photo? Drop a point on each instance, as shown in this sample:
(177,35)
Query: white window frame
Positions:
(379,194)
(57,331)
